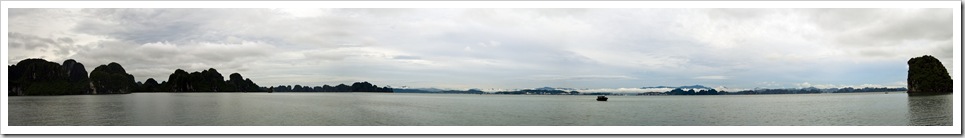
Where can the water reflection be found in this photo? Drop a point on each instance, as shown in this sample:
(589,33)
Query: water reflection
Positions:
(930,110)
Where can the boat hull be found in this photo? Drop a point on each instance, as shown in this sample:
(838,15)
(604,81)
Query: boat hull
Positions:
(601,98)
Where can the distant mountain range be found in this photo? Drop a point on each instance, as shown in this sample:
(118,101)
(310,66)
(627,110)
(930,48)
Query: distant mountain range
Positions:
(545,88)
(681,87)
(418,90)
(651,90)
(551,88)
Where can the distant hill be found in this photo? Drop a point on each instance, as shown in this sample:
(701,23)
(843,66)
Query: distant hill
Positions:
(435,90)
(656,87)
(355,87)
(417,90)
(681,87)
(552,88)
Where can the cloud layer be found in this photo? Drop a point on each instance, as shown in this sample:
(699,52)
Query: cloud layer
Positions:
(497,48)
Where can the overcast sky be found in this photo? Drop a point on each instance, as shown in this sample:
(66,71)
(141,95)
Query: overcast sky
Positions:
(497,48)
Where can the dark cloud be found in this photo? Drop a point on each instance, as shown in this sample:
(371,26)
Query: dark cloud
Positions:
(943,50)
(29,42)
(157,60)
(841,19)
(897,34)
(885,27)
(156,25)
(927,24)
(56,47)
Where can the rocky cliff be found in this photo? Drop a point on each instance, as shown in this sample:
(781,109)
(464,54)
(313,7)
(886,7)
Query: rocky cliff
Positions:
(927,75)
(112,79)
(77,77)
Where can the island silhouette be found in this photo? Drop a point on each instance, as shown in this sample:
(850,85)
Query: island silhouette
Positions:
(37,77)
(927,76)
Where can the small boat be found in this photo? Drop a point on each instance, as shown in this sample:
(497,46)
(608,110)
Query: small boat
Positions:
(601,98)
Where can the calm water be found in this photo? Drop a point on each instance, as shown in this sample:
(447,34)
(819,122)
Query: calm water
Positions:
(367,109)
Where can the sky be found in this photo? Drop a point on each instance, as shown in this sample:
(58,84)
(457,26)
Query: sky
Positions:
(494,49)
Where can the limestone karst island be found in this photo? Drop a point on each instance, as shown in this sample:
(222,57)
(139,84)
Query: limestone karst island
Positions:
(927,76)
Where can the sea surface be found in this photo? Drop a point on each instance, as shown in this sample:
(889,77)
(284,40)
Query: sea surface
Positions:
(396,109)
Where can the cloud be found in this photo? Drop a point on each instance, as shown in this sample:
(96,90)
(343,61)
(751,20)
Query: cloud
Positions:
(158,60)
(31,46)
(489,44)
(877,27)
(624,90)
(826,86)
(711,77)
(581,77)
(887,33)
(819,86)
(768,84)
(406,57)
(497,48)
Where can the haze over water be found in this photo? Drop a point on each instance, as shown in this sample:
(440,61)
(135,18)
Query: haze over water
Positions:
(378,109)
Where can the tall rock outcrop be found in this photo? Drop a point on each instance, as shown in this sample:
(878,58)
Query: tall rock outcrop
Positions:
(13,85)
(112,79)
(150,85)
(42,77)
(37,77)
(241,84)
(927,75)
(77,77)
(179,81)
(209,80)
